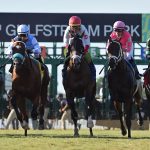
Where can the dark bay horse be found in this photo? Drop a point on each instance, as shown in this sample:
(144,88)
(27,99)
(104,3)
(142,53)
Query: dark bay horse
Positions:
(123,86)
(78,83)
(147,82)
(28,82)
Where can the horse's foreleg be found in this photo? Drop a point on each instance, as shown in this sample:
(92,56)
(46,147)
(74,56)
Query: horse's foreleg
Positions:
(90,109)
(14,104)
(22,107)
(118,108)
(74,115)
(128,110)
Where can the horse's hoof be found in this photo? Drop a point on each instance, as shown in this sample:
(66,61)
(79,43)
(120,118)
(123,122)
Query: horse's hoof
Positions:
(41,127)
(140,122)
(24,125)
(76,133)
(91,135)
(129,137)
(124,132)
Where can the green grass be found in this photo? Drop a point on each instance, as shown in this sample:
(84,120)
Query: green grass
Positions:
(64,140)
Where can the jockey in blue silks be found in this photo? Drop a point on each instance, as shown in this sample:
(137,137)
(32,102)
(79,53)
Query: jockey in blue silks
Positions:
(30,41)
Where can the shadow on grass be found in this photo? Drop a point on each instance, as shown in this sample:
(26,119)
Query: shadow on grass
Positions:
(69,136)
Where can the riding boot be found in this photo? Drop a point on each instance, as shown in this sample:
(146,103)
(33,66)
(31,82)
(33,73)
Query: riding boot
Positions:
(64,70)
(41,62)
(137,74)
(93,70)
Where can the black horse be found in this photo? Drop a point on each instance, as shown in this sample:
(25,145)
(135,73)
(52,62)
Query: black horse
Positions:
(28,82)
(79,83)
(123,86)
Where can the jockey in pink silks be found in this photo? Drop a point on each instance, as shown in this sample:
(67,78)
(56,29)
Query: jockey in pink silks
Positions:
(76,28)
(121,35)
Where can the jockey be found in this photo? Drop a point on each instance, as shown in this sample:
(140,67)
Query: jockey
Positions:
(76,28)
(32,45)
(121,35)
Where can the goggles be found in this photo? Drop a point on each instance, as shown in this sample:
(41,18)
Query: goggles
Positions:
(75,27)
(118,30)
(22,35)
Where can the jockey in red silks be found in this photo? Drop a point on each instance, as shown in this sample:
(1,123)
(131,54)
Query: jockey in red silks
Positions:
(121,35)
(76,28)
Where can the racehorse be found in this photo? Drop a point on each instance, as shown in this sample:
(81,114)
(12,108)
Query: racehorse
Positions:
(28,82)
(78,83)
(122,86)
(1,82)
(147,82)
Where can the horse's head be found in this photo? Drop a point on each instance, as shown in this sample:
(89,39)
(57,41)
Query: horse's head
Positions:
(115,53)
(18,53)
(76,50)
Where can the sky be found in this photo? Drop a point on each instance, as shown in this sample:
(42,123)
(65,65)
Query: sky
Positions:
(80,6)
(77,6)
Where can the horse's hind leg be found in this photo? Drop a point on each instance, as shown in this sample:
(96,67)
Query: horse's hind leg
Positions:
(140,119)
(41,114)
(138,107)
(118,108)
(43,98)
(34,115)
(138,99)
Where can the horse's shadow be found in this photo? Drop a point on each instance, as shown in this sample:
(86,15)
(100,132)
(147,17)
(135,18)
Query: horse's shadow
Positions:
(69,136)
